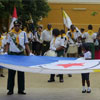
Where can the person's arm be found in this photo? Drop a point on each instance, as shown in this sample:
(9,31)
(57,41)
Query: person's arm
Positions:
(6,48)
(27,49)
(60,48)
(88,56)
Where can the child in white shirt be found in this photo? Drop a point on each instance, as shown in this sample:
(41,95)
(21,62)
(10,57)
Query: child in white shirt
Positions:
(85,76)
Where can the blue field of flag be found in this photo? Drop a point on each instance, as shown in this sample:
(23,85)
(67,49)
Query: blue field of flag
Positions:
(30,60)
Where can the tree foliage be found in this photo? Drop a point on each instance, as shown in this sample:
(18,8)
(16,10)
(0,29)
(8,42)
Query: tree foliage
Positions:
(25,8)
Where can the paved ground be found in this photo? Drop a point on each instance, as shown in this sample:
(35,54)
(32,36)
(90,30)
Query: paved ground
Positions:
(38,88)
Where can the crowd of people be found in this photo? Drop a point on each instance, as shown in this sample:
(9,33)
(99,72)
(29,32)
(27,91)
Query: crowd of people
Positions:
(25,41)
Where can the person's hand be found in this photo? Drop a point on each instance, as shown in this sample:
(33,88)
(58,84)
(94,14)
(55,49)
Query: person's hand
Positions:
(53,48)
(69,33)
(77,43)
(5,53)
(31,54)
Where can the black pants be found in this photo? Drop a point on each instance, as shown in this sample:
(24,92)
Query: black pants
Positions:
(11,79)
(59,54)
(85,76)
(38,48)
(52,77)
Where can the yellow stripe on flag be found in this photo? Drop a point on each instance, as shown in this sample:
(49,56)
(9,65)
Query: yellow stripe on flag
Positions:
(66,19)
(64,14)
(96,70)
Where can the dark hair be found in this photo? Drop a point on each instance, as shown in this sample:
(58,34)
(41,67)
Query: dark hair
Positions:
(62,31)
(72,26)
(40,26)
(90,27)
(82,29)
(55,32)
(68,29)
(86,46)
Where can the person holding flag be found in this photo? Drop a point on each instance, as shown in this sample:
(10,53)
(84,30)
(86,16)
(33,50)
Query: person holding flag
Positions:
(17,44)
(73,32)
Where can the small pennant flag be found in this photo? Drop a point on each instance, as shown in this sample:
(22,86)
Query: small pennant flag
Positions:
(14,18)
(66,19)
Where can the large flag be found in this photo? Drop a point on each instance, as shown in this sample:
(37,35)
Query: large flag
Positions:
(14,18)
(66,19)
(49,65)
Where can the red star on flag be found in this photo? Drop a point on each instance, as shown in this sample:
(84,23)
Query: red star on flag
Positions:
(70,65)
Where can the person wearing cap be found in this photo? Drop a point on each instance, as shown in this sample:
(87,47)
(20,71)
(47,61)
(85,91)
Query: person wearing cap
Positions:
(17,44)
(46,37)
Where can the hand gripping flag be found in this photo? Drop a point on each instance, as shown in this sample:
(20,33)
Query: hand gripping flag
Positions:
(66,19)
(14,18)
(49,65)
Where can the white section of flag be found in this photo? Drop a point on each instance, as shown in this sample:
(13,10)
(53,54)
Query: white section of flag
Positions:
(60,67)
(66,19)
(14,18)
(12,25)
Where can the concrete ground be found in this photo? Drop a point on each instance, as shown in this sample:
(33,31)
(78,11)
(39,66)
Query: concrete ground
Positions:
(38,88)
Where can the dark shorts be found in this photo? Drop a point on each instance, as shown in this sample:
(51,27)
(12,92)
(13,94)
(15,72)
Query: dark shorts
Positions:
(85,76)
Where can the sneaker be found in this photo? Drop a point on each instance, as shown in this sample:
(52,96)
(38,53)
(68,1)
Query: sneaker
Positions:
(88,91)
(83,91)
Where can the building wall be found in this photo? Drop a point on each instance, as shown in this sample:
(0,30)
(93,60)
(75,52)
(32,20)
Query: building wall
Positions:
(80,15)
(73,1)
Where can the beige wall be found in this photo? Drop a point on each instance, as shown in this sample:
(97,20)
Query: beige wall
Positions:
(74,1)
(81,18)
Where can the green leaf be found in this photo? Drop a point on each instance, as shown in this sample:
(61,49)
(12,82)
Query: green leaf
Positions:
(94,13)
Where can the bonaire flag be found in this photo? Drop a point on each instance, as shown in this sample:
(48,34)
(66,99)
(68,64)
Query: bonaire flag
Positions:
(66,19)
(14,18)
(49,65)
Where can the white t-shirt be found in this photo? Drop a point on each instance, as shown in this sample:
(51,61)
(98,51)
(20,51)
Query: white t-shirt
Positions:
(76,35)
(38,37)
(87,55)
(46,35)
(30,35)
(57,42)
(22,40)
(89,38)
